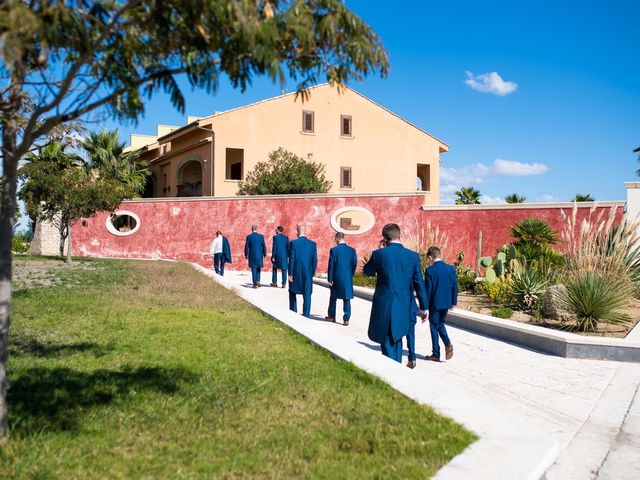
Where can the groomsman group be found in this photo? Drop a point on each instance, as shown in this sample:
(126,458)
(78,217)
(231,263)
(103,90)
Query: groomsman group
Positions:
(400,283)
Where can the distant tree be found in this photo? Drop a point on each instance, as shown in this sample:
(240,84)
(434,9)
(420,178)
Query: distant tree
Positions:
(285,173)
(95,56)
(467,196)
(583,198)
(107,159)
(61,188)
(637,150)
(515,198)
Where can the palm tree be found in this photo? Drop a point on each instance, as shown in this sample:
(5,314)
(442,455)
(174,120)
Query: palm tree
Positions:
(583,198)
(106,158)
(533,230)
(515,198)
(467,196)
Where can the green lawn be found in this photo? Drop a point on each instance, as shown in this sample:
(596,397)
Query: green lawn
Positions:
(149,370)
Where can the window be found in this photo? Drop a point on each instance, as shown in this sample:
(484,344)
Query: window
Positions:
(345,177)
(307,121)
(345,125)
(424,178)
(234,163)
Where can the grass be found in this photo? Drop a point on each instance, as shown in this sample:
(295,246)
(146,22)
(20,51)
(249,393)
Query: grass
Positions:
(149,370)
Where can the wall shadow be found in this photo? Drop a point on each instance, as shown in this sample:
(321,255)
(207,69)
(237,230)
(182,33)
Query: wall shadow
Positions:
(55,399)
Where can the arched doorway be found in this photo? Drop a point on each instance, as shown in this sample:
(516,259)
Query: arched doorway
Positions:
(189,177)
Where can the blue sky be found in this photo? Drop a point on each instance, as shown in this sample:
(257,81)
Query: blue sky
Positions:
(570,122)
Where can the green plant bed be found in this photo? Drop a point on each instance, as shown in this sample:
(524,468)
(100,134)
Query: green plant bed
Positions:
(142,369)
(502,312)
(361,280)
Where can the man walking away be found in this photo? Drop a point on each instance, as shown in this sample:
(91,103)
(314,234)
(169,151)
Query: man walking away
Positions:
(442,289)
(221,252)
(254,251)
(279,257)
(399,275)
(303,263)
(343,262)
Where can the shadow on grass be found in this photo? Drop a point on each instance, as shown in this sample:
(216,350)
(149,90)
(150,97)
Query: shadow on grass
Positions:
(55,399)
(30,346)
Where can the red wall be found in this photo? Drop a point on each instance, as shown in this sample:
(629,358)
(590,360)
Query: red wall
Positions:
(183,230)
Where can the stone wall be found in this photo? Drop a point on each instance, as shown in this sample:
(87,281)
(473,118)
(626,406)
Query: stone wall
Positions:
(46,240)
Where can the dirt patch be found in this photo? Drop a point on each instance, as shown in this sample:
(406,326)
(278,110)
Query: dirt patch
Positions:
(43,272)
(481,304)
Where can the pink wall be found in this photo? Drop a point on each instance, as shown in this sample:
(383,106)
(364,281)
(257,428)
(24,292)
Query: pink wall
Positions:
(183,230)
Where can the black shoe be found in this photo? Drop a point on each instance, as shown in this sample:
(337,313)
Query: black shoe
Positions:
(411,364)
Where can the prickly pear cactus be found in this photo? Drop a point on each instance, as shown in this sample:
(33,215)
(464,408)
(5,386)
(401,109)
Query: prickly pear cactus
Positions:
(498,267)
(502,257)
(511,252)
(486,262)
(490,275)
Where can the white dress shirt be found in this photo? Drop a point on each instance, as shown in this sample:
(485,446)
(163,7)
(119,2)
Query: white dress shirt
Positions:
(216,245)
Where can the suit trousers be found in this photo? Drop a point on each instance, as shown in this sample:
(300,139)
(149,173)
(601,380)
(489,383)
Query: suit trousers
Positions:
(274,276)
(306,304)
(438,329)
(255,275)
(218,263)
(411,340)
(346,307)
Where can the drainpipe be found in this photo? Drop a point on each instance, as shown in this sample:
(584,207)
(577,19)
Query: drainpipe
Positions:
(212,157)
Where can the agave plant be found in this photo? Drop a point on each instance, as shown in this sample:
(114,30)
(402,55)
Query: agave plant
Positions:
(528,287)
(594,297)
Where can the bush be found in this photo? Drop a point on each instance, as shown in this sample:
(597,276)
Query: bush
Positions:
(527,287)
(361,280)
(594,297)
(501,312)
(466,283)
(20,243)
(499,292)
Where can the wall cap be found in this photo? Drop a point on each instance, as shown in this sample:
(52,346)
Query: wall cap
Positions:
(632,184)
(526,206)
(272,197)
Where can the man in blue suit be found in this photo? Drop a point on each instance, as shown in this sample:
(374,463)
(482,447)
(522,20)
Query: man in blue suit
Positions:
(343,262)
(399,275)
(254,251)
(303,262)
(279,257)
(442,289)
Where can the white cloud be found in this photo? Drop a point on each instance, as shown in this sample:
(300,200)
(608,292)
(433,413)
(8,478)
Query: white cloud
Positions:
(490,83)
(511,168)
(491,200)
(546,198)
(452,179)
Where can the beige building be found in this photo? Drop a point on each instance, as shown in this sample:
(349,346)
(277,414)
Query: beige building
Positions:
(365,147)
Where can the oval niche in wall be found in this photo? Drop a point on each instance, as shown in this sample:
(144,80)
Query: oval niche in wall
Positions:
(122,223)
(352,220)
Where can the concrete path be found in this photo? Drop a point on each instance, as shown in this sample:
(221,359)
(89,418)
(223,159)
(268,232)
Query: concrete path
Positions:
(534,413)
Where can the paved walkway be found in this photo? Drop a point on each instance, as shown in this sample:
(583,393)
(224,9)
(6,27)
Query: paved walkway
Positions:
(534,413)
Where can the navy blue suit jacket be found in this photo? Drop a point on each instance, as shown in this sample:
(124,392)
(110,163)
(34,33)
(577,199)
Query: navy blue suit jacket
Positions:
(343,262)
(399,275)
(226,250)
(442,286)
(303,263)
(255,249)
(280,251)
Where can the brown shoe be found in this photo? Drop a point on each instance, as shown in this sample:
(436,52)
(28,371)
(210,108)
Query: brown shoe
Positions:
(255,286)
(274,284)
(346,323)
(330,319)
(411,364)
(448,351)
(283,286)
(432,358)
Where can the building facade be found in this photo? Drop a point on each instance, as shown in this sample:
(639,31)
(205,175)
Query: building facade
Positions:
(365,148)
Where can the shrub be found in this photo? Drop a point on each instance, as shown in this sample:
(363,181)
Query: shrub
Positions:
(466,283)
(533,239)
(501,312)
(499,291)
(594,297)
(361,280)
(527,287)
(20,243)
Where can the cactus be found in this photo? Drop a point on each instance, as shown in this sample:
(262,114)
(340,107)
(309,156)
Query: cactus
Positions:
(479,252)
(511,252)
(498,267)
(490,275)
(502,257)
(486,262)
